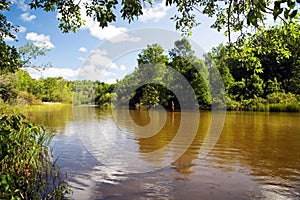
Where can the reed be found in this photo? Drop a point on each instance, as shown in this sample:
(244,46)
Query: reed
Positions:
(27,167)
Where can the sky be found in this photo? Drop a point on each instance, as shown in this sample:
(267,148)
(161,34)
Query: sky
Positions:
(102,54)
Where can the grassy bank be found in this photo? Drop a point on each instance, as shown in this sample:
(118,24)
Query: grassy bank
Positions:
(27,168)
(5,108)
(276,108)
(263,105)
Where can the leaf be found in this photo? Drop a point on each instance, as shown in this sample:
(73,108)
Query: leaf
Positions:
(293,14)
(277,10)
(286,13)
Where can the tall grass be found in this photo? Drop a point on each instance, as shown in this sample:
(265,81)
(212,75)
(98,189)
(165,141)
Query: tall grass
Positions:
(27,170)
(284,108)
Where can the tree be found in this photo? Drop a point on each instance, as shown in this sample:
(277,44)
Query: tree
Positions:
(232,15)
(104,94)
(10,59)
(28,53)
(152,68)
(193,69)
(264,65)
(6,27)
(147,84)
(278,49)
(182,48)
(229,13)
(153,54)
(8,88)
(84,92)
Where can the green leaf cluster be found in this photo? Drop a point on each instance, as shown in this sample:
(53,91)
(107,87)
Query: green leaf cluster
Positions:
(26,167)
(262,67)
(157,76)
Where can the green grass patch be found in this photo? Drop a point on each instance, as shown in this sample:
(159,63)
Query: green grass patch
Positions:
(284,108)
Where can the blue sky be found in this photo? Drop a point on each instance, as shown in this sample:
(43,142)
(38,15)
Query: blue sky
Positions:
(73,53)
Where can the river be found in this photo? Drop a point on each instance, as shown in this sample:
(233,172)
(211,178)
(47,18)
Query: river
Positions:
(106,156)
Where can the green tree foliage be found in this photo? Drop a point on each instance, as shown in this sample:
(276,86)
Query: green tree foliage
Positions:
(55,90)
(150,75)
(8,88)
(104,94)
(28,89)
(83,92)
(10,59)
(154,79)
(233,15)
(193,69)
(13,78)
(278,49)
(6,28)
(152,67)
(28,53)
(262,66)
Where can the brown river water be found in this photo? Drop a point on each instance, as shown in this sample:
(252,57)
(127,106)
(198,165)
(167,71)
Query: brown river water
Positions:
(256,156)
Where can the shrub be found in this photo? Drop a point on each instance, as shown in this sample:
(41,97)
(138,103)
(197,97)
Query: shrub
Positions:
(27,99)
(284,107)
(292,108)
(282,98)
(27,170)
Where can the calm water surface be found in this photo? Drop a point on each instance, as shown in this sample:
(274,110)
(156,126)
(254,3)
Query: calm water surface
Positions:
(257,155)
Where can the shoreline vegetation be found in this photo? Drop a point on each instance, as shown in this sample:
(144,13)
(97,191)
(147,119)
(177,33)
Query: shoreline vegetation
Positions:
(260,73)
(28,170)
(23,110)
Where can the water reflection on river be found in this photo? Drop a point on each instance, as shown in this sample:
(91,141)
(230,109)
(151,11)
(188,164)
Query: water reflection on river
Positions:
(256,157)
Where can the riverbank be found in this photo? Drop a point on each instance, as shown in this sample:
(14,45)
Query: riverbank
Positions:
(260,107)
(50,106)
(28,170)
(5,108)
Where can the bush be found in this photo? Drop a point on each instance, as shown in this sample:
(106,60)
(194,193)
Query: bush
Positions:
(281,98)
(232,105)
(292,108)
(260,107)
(284,107)
(27,170)
(27,99)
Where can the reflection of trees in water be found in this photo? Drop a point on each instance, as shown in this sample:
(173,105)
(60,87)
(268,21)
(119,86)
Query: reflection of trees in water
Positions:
(267,143)
(258,145)
(262,145)
(163,137)
(186,161)
(54,116)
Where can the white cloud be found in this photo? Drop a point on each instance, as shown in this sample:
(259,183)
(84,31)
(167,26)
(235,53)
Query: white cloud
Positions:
(9,39)
(155,13)
(40,40)
(122,67)
(27,17)
(22,29)
(81,59)
(21,4)
(98,66)
(66,73)
(110,81)
(111,33)
(82,49)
